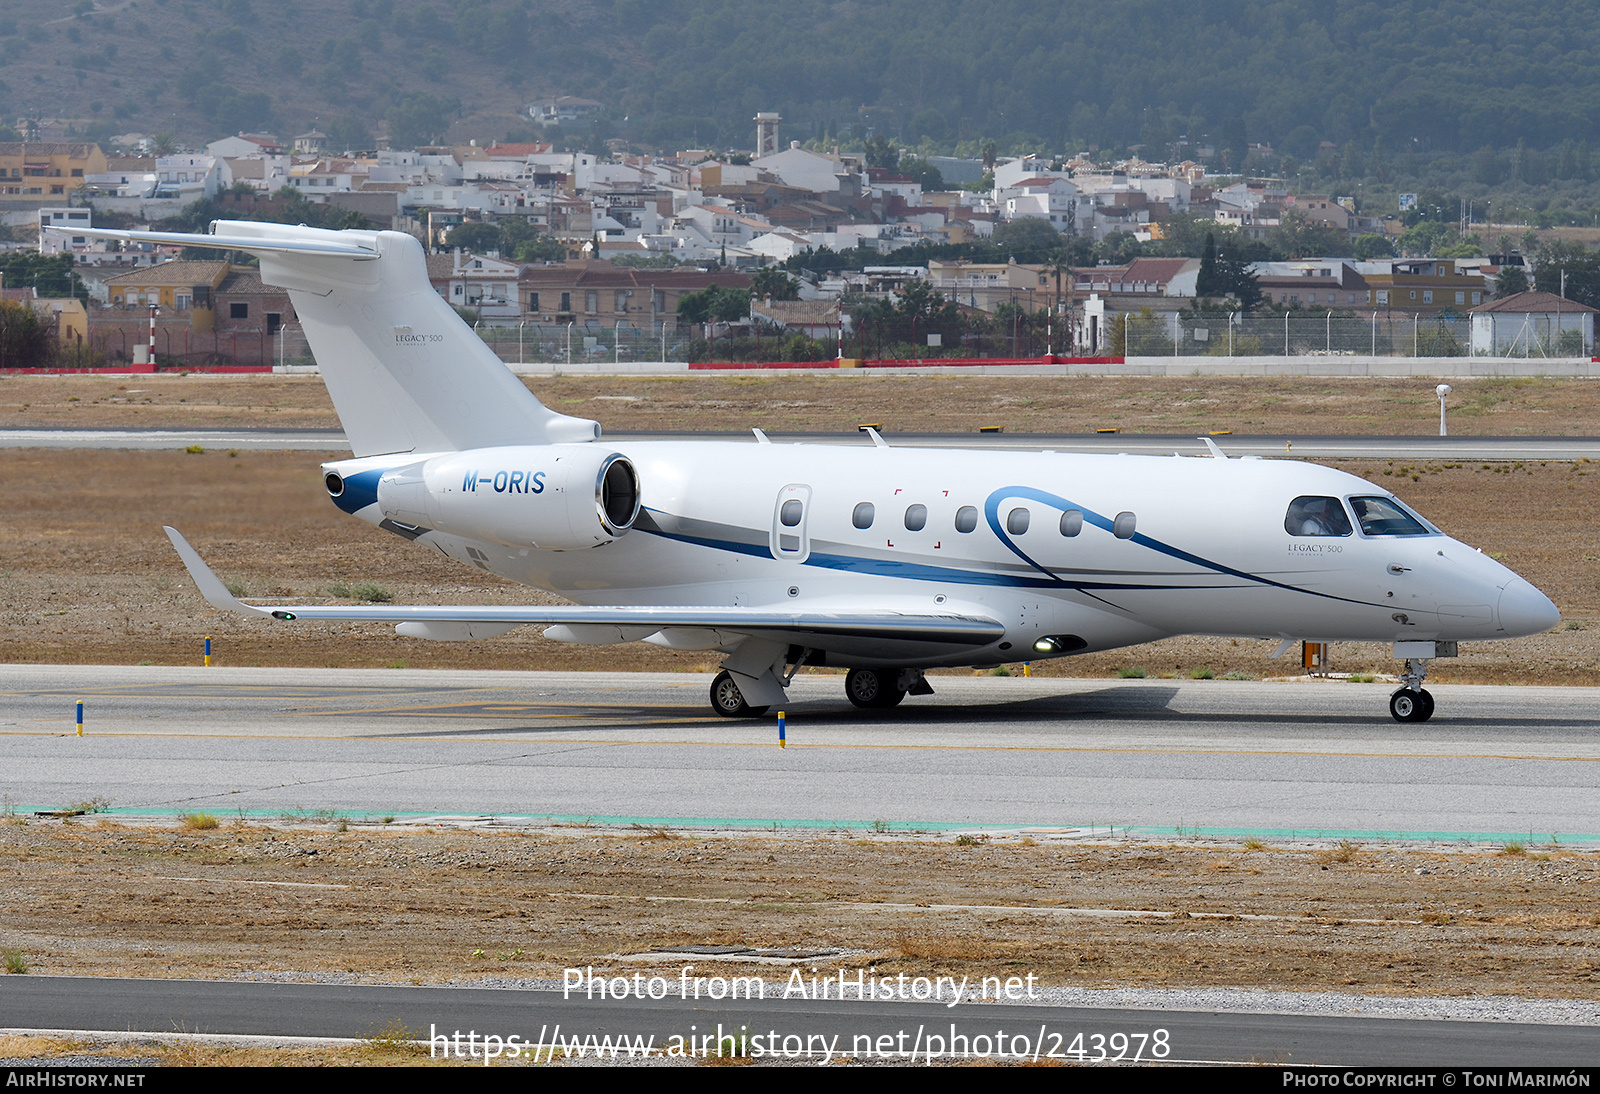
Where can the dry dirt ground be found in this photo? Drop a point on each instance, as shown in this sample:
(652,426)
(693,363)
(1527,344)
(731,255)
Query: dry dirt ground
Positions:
(397,903)
(86,576)
(839,401)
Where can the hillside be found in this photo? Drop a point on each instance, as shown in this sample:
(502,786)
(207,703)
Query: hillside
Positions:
(1381,84)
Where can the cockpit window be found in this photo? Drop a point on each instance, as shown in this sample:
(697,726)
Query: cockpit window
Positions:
(1316,516)
(1386,517)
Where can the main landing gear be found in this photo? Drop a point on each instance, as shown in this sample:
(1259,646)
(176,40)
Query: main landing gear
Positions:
(870,689)
(1411,703)
(879,689)
(728,701)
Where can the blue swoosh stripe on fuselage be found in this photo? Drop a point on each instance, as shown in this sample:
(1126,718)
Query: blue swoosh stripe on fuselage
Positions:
(991,512)
(916,571)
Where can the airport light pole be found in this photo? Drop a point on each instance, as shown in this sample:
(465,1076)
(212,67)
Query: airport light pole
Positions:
(1442,390)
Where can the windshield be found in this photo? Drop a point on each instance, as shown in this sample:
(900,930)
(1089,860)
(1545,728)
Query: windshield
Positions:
(1387,517)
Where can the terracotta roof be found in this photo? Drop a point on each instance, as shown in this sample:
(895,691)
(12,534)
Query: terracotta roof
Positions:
(508,148)
(1533,301)
(798,312)
(45,148)
(246,281)
(172,273)
(603,275)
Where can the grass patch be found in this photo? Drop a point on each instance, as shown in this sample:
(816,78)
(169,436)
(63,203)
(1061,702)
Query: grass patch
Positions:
(1513,849)
(1361,677)
(15,962)
(237,588)
(1202,673)
(394,1039)
(199,822)
(195,449)
(362,590)
(1133,672)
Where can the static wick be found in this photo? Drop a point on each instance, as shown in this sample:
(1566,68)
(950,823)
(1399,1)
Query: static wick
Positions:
(782,725)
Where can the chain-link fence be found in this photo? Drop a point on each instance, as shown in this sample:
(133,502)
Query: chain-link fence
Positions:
(1379,334)
(555,345)
(1143,334)
(178,346)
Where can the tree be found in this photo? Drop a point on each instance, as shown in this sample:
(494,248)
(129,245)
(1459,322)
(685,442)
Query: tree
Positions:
(1207,282)
(1028,239)
(1371,245)
(25,340)
(1579,265)
(714,304)
(881,153)
(1298,236)
(475,236)
(772,283)
(921,171)
(1512,280)
(50,275)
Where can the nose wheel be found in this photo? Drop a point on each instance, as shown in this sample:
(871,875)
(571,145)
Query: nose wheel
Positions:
(1411,706)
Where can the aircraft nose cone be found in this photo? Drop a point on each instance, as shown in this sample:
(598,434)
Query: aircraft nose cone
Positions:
(1525,610)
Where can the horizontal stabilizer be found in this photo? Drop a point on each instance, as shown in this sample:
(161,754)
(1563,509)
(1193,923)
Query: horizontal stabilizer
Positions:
(253,244)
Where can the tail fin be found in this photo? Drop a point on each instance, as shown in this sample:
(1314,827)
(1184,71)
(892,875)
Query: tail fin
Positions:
(405,373)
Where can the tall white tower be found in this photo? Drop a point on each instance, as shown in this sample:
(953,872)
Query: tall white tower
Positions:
(766,133)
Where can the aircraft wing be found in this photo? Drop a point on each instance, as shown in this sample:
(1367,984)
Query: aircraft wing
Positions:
(826,629)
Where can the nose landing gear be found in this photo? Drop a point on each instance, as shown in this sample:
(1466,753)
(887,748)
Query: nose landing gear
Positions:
(1411,703)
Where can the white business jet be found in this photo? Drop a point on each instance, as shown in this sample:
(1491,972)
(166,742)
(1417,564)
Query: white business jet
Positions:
(886,561)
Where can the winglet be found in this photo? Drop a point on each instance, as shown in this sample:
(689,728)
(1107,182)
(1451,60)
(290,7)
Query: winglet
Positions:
(1216,449)
(210,585)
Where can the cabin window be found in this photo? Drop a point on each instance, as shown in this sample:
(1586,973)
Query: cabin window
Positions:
(862,517)
(789,515)
(1123,526)
(1017,521)
(1316,516)
(1386,517)
(1071,522)
(966,518)
(916,518)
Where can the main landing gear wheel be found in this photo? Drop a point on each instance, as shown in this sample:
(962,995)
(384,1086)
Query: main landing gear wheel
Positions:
(873,689)
(1411,706)
(728,701)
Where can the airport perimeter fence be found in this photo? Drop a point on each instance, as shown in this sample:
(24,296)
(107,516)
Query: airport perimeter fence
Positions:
(1123,334)
(1295,334)
(178,347)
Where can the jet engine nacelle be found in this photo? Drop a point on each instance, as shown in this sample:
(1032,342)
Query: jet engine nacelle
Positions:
(558,497)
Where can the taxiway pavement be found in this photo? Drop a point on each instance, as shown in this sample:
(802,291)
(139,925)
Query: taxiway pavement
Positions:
(1214,757)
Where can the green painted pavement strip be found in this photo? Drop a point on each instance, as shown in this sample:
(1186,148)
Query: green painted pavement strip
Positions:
(328,816)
